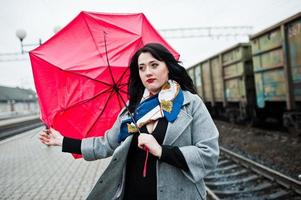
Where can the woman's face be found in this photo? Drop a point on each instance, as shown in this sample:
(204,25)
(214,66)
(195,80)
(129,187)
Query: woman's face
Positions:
(153,73)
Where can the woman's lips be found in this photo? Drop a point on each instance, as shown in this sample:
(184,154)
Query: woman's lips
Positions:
(150,80)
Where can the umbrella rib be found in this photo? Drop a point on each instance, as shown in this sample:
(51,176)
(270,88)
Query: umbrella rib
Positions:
(112,92)
(131,43)
(121,77)
(110,70)
(93,39)
(112,24)
(120,106)
(99,51)
(107,101)
(131,114)
(123,91)
(86,100)
(122,84)
(107,84)
(71,72)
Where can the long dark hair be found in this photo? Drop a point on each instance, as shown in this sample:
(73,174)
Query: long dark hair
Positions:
(176,72)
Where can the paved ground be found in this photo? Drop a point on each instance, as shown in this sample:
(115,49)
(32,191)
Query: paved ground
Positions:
(31,170)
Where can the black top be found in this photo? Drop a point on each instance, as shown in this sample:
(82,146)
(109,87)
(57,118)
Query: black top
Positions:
(137,186)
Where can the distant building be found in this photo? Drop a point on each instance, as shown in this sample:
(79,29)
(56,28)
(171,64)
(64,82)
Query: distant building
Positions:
(17,101)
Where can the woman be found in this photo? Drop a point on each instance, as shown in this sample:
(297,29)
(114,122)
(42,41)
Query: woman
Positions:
(173,125)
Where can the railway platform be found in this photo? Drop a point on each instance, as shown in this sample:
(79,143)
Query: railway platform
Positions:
(11,121)
(31,170)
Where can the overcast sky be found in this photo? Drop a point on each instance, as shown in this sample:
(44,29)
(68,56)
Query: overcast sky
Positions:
(39,17)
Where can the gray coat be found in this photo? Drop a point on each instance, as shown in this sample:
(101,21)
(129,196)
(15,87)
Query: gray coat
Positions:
(194,132)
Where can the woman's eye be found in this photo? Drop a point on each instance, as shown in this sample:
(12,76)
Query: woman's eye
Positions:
(141,68)
(154,65)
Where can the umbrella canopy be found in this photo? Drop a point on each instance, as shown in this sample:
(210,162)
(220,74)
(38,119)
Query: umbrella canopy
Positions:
(76,70)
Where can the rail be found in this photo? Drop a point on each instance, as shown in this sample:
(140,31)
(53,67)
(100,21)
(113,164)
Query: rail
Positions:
(237,177)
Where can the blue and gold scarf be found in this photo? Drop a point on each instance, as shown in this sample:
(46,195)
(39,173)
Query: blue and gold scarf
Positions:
(167,103)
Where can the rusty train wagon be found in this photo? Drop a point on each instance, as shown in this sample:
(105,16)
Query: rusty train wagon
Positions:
(276,53)
(225,82)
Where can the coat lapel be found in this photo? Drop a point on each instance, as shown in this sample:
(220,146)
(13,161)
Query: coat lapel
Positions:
(123,148)
(175,129)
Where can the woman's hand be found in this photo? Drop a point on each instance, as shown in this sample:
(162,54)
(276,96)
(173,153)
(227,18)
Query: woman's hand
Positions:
(51,137)
(148,141)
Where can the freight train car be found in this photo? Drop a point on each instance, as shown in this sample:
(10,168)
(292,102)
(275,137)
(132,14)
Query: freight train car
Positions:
(276,53)
(225,82)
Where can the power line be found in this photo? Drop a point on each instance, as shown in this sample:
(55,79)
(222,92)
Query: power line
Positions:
(13,60)
(10,54)
(171,33)
(13,56)
(209,31)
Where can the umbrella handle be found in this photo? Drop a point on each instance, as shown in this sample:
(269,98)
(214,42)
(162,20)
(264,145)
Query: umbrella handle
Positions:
(145,162)
(47,128)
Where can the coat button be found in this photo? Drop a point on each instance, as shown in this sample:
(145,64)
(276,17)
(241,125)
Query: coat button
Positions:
(161,190)
(182,189)
(100,181)
(115,159)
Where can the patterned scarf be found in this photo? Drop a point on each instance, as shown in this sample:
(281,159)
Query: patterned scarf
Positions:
(166,104)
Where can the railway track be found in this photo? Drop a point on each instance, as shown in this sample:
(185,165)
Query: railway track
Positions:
(11,129)
(237,177)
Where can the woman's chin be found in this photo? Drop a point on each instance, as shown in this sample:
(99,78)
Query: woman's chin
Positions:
(153,91)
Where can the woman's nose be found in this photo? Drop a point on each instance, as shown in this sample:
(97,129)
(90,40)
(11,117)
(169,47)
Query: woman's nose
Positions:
(148,71)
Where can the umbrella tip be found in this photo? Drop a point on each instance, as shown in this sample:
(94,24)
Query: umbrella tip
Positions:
(115,88)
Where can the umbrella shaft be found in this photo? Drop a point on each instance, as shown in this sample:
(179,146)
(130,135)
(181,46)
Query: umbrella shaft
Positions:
(127,108)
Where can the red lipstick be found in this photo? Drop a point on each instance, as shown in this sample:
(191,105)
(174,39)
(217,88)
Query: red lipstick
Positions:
(150,80)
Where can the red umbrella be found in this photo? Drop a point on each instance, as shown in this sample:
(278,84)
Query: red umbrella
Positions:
(77,71)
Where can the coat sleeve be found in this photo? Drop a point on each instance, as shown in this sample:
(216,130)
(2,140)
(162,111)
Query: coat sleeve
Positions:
(102,147)
(202,155)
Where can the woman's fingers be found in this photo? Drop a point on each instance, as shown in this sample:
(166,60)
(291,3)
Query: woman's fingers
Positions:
(44,134)
(46,137)
(51,137)
(147,141)
(142,140)
(44,140)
